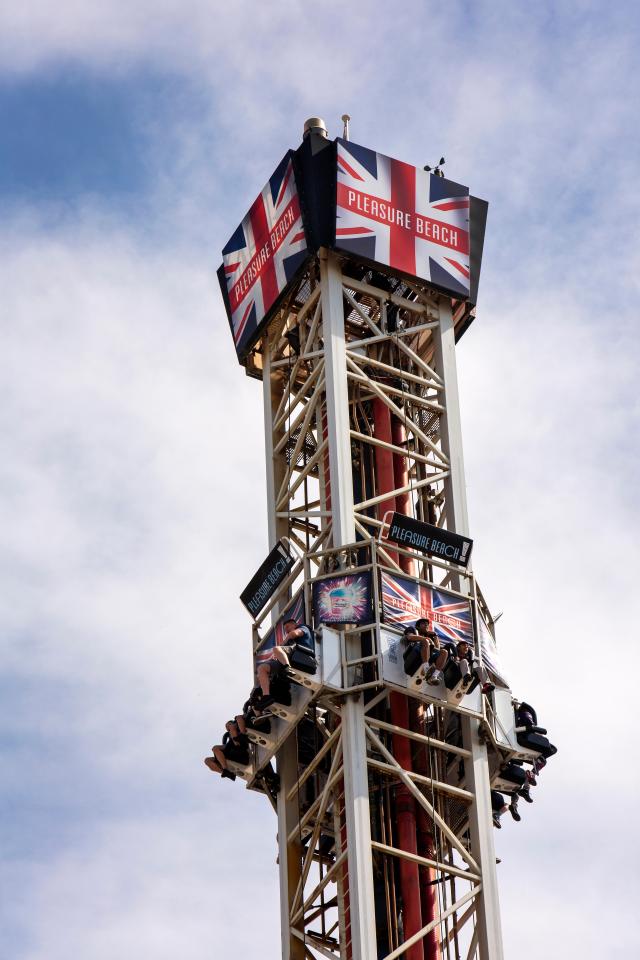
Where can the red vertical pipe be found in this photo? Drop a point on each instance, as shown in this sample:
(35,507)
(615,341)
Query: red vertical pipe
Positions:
(426,848)
(384,460)
(401,479)
(424,830)
(325,462)
(346,899)
(405,804)
(406,824)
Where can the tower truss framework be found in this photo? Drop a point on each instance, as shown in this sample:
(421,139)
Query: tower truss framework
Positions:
(384,814)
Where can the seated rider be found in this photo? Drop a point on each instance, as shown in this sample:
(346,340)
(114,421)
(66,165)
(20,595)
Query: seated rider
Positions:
(525,715)
(416,646)
(251,716)
(295,632)
(471,668)
(234,747)
(278,663)
(438,656)
(522,779)
(529,734)
(498,807)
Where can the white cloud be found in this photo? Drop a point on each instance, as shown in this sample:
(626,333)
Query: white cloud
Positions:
(151,885)
(133,446)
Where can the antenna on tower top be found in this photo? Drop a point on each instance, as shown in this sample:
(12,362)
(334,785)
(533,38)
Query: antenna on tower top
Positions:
(436,170)
(345,129)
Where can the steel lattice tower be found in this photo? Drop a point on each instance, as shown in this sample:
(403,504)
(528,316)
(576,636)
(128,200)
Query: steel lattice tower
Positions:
(384,810)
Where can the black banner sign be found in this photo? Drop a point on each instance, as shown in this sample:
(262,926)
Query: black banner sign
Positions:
(429,539)
(266,581)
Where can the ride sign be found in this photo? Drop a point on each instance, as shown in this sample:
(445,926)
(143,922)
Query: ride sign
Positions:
(264,583)
(429,539)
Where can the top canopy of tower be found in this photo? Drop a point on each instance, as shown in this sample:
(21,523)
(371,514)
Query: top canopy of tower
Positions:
(377,210)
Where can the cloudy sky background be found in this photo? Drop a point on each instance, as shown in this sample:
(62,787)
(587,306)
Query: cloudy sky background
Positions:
(133,138)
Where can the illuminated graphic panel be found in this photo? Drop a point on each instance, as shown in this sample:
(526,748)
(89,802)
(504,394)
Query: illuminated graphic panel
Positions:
(342,599)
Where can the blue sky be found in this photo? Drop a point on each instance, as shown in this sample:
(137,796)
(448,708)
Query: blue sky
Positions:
(71,133)
(133,139)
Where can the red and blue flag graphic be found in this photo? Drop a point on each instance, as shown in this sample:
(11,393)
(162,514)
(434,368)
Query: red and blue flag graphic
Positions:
(402,217)
(264,253)
(275,637)
(404,601)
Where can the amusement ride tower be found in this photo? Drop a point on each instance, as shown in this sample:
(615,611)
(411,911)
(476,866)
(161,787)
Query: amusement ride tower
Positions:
(347,286)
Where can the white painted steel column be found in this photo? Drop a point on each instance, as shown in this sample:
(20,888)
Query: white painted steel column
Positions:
(268,441)
(477,767)
(274,473)
(337,393)
(288,814)
(481,830)
(450,425)
(356,800)
(289,855)
(356,784)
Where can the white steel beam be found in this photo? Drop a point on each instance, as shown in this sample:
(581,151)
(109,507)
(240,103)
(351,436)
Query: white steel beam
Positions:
(289,847)
(289,854)
(337,393)
(450,425)
(481,831)
(356,790)
(356,783)
(275,473)
(476,767)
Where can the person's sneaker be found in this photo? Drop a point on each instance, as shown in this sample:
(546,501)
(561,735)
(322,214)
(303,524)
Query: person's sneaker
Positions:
(525,793)
(262,723)
(227,775)
(496,821)
(513,807)
(435,678)
(488,687)
(265,702)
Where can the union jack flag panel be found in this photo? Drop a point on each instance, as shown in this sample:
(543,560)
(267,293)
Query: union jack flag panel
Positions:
(263,254)
(275,637)
(404,601)
(409,220)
